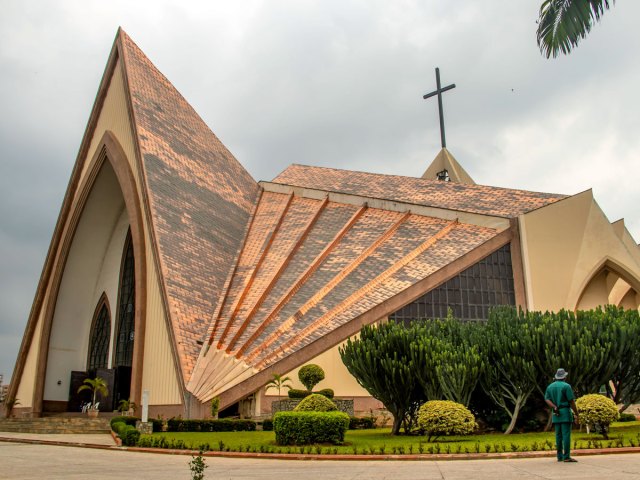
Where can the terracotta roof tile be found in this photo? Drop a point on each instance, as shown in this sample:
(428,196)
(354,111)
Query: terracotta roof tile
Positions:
(200,198)
(321,276)
(500,202)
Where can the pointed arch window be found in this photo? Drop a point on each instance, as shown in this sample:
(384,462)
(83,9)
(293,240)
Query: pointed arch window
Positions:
(126,308)
(100,336)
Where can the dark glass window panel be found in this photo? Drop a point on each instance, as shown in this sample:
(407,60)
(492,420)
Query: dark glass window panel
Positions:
(99,343)
(126,309)
(470,294)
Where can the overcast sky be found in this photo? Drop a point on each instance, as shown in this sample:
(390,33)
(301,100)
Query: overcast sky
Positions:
(333,83)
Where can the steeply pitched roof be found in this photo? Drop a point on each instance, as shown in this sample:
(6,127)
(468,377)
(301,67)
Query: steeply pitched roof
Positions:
(495,201)
(310,266)
(199,196)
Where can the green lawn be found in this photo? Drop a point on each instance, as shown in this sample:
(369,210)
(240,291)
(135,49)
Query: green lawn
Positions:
(381,441)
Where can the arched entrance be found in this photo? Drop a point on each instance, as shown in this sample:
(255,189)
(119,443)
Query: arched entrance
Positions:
(105,229)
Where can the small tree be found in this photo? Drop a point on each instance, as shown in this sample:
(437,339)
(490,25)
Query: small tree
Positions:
(310,375)
(197,467)
(215,406)
(97,386)
(598,411)
(278,382)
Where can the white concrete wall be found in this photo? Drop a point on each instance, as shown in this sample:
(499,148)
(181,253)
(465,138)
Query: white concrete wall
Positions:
(92,267)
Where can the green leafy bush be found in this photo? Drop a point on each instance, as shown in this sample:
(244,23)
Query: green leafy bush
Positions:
(315,403)
(295,394)
(444,417)
(220,425)
(361,423)
(598,411)
(127,432)
(627,417)
(304,428)
(267,425)
(326,392)
(310,375)
(157,423)
(129,435)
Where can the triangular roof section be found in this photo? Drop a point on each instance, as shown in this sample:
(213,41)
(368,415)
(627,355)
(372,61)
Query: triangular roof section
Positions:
(199,198)
(311,273)
(446,161)
(477,199)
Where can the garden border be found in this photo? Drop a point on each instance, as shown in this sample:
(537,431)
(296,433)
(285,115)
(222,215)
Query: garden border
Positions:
(336,457)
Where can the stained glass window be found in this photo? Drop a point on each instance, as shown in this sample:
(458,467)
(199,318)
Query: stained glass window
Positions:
(470,294)
(99,342)
(126,309)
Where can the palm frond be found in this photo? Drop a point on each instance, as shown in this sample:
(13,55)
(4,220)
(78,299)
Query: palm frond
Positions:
(563,23)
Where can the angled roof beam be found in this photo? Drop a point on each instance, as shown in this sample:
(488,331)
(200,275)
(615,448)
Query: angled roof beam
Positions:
(297,285)
(254,273)
(315,299)
(227,285)
(310,224)
(359,294)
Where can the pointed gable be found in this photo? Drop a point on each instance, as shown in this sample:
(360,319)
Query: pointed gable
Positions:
(199,199)
(445,161)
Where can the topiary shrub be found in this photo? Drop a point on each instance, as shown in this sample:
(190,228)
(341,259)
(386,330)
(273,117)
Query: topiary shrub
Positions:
(304,428)
(295,394)
(444,417)
(597,411)
(315,403)
(310,375)
(327,392)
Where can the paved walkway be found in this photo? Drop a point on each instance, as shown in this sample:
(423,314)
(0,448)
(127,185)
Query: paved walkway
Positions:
(19,461)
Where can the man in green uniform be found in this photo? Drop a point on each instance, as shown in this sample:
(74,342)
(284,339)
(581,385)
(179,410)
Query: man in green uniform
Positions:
(559,396)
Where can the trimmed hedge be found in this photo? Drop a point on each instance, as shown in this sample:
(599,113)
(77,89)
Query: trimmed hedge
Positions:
(267,425)
(295,394)
(219,425)
(326,392)
(157,423)
(304,428)
(627,417)
(361,423)
(127,433)
(315,403)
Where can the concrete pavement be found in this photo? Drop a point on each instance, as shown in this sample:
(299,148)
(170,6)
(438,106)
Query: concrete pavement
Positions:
(32,461)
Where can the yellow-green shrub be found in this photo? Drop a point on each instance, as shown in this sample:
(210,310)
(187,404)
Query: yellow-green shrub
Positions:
(316,403)
(597,410)
(444,417)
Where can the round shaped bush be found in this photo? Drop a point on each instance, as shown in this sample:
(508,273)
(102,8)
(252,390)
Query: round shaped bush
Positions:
(597,410)
(310,375)
(444,417)
(316,403)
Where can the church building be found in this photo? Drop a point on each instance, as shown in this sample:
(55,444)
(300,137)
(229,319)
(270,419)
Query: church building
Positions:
(171,270)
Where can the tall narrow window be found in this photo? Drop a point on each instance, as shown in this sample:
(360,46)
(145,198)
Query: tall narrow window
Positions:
(100,335)
(126,308)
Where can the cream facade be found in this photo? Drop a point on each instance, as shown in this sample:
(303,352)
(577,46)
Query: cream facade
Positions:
(289,289)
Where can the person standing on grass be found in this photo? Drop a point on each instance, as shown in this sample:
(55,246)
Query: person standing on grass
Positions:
(559,396)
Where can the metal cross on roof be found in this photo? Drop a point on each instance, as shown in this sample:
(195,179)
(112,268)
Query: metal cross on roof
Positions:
(438,92)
